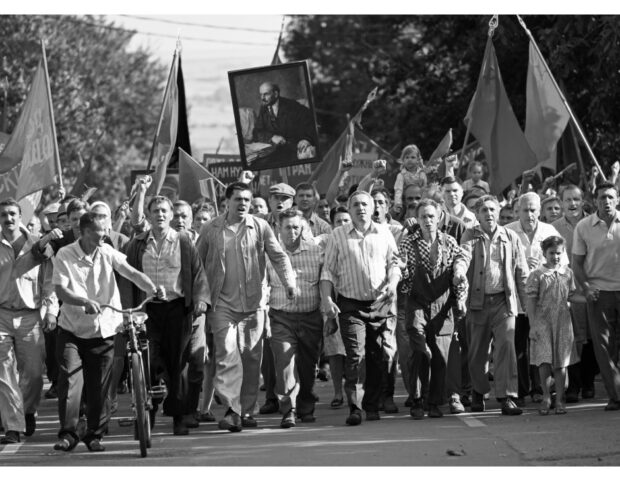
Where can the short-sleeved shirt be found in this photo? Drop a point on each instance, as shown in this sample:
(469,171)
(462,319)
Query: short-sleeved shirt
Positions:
(92,277)
(601,246)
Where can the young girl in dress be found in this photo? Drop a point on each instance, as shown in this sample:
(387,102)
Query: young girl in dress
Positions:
(411,173)
(552,345)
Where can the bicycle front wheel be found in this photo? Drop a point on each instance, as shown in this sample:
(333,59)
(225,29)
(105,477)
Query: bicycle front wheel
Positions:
(139,394)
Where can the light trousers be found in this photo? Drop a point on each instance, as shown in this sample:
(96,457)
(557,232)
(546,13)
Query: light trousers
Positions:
(238,344)
(22,361)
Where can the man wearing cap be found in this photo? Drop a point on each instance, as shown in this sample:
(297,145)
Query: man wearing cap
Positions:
(280,199)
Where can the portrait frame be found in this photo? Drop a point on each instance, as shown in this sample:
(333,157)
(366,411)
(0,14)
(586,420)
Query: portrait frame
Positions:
(257,127)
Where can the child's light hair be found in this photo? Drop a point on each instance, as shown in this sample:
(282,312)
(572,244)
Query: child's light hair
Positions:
(474,163)
(410,149)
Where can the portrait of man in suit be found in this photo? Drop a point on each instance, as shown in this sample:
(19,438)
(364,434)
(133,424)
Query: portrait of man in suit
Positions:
(274,114)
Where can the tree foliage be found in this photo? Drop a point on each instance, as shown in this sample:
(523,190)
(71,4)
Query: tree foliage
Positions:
(427,68)
(106,98)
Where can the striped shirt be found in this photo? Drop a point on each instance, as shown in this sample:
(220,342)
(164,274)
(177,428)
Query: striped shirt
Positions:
(164,267)
(358,264)
(307,262)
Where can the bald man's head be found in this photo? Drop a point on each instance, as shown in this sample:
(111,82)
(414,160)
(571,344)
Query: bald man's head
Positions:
(269,93)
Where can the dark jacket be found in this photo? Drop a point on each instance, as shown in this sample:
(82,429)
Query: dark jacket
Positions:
(193,278)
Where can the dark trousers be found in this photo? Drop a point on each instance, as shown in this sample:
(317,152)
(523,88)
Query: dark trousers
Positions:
(51,364)
(459,352)
(169,329)
(581,375)
(529,377)
(437,376)
(604,320)
(363,342)
(83,363)
(268,370)
(296,344)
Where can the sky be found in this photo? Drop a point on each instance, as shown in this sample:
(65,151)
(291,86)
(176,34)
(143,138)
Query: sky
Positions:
(252,40)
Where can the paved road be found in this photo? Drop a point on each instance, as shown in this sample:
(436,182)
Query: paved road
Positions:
(587,435)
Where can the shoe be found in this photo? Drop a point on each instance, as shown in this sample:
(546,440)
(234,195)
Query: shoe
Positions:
(231,422)
(207,417)
(190,421)
(509,408)
(323,374)
(572,397)
(307,418)
(465,400)
(456,407)
(560,410)
(11,437)
(247,421)
(66,443)
(31,423)
(288,421)
(178,426)
(51,393)
(355,417)
(336,403)
(520,401)
(389,406)
(417,409)
(408,402)
(611,406)
(537,398)
(372,416)
(477,402)
(587,393)
(95,446)
(271,406)
(434,411)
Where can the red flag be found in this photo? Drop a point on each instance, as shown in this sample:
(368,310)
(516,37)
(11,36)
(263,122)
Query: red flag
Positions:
(166,135)
(546,115)
(494,124)
(30,160)
(192,179)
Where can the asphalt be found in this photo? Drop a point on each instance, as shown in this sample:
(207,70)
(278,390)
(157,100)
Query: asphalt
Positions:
(586,436)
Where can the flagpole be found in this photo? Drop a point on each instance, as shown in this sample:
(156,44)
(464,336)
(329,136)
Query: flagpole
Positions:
(161,113)
(51,109)
(562,97)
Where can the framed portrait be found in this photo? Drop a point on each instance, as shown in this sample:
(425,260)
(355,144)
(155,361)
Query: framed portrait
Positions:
(274,116)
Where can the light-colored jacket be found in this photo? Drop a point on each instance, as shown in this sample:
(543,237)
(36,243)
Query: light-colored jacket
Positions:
(471,261)
(256,241)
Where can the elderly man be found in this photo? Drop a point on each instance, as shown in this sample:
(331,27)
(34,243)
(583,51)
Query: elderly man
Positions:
(306,199)
(296,327)
(283,122)
(581,374)
(493,262)
(531,232)
(84,279)
(26,296)
(169,259)
(234,248)
(596,261)
(453,194)
(430,299)
(360,265)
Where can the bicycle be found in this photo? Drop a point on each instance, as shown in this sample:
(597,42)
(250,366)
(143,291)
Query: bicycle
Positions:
(142,393)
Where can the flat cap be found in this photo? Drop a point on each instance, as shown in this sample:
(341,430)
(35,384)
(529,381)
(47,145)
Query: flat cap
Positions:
(282,189)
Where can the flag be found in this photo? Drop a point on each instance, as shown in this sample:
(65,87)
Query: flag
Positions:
(192,179)
(29,161)
(443,148)
(182,124)
(166,134)
(494,124)
(546,115)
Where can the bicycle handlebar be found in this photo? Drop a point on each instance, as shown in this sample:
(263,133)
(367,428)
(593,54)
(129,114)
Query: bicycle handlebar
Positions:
(131,310)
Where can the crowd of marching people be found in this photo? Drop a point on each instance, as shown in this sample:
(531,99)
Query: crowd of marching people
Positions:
(465,294)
